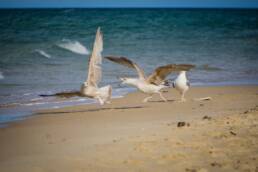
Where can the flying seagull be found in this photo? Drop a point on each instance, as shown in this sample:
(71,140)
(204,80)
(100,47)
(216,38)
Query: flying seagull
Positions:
(182,84)
(90,87)
(151,84)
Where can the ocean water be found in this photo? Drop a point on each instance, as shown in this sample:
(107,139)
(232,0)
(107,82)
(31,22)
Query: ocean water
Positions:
(45,51)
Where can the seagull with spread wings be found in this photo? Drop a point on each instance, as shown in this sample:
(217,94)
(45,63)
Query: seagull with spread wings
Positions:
(90,87)
(149,84)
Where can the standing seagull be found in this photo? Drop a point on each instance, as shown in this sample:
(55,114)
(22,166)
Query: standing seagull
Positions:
(90,87)
(182,84)
(151,84)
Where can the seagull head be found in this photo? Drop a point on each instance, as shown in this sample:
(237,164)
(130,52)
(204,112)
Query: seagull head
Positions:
(167,83)
(124,80)
(129,81)
(85,84)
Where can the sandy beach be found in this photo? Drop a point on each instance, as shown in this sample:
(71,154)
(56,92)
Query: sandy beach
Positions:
(214,135)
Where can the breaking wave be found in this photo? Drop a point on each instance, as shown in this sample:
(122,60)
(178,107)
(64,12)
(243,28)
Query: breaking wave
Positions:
(73,46)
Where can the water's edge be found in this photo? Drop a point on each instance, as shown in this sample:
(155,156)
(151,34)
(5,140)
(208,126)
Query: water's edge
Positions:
(26,115)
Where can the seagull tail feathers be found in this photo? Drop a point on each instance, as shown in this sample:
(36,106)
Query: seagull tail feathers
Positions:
(106,93)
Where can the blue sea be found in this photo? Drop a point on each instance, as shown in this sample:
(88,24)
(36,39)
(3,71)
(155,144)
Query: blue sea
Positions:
(46,51)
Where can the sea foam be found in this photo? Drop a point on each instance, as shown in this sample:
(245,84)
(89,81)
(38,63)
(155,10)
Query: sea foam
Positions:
(43,53)
(73,46)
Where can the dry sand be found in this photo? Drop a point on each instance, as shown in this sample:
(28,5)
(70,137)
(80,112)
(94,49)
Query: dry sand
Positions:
(128,135)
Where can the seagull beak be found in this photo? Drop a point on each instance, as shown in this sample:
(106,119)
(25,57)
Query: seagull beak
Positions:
(122,79)
(168,83)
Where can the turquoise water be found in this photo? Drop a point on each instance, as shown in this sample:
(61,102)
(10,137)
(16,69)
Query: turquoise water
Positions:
(44,51)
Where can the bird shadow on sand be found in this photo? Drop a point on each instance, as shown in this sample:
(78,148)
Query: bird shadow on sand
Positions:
(160,101)
(91,110)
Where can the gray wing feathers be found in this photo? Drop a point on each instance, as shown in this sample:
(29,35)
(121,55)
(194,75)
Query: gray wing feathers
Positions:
(128,63)
(160,73)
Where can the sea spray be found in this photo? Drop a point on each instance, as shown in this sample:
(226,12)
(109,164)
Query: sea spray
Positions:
(73,46)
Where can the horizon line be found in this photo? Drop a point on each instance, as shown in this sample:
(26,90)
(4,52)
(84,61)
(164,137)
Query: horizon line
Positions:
(122,7)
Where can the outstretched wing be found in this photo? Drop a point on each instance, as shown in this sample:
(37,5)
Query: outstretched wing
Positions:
(160,73)
(94,66)
(128,63)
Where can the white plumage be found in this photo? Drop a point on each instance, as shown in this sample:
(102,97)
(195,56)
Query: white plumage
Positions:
(90,87)
(182,84)
(151,84)
(145,87)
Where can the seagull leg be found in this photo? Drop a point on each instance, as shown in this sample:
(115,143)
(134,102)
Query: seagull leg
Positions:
(108,101)
(183,97)
(146,99)
(162,97)
(101,102)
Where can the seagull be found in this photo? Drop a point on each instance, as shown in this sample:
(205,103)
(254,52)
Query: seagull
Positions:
(151,84)
(182,84)
(90,87)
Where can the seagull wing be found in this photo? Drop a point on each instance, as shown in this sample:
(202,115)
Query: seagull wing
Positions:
(94,66)
(126,62)
(160,73)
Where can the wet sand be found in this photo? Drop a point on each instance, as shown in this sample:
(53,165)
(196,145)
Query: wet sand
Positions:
(214,135)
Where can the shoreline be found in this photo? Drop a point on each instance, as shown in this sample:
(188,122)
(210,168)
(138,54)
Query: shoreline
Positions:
(26,114)
(128,135)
